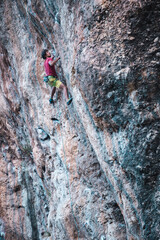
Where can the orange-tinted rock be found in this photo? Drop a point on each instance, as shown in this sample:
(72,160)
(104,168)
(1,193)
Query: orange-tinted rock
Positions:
(93,172)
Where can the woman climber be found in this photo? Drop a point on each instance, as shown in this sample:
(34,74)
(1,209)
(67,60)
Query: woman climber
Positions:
(51,76)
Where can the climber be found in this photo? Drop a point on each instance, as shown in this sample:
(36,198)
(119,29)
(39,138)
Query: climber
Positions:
(51,76)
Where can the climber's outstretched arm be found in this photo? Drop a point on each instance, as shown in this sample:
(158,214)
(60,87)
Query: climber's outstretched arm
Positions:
(51,63)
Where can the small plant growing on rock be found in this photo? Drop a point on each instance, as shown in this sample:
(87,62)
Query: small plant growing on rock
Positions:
(27,150)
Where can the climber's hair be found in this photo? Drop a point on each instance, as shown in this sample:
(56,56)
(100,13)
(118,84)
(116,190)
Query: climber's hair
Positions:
(43,54)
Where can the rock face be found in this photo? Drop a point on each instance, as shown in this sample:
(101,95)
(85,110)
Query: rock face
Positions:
(92,172)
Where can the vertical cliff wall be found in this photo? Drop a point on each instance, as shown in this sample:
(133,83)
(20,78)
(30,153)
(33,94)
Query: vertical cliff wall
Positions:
(94,172)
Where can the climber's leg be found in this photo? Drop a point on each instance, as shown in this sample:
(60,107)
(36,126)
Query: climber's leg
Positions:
(64,88)
(52,94)
(56,83)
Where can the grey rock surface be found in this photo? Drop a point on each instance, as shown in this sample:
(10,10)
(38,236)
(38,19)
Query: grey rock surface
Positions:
(94,173)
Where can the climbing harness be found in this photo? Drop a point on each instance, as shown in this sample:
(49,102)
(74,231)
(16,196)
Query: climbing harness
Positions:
(45,79)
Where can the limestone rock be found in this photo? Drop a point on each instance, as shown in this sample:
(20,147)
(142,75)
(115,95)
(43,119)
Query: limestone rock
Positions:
(91,169)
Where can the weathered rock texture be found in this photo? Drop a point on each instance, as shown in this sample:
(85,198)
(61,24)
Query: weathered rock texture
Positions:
(94,173)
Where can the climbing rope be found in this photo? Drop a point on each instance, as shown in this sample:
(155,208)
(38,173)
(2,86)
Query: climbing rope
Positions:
(77,130)
(67,172)
(138,218)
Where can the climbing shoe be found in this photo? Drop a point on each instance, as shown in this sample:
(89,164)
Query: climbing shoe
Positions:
(51,100)
(69,101)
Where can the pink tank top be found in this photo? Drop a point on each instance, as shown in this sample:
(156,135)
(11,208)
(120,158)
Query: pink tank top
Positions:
(50,70)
